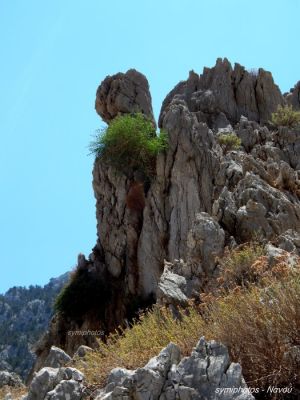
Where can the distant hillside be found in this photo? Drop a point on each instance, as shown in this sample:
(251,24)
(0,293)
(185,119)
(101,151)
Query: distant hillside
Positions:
(24,317)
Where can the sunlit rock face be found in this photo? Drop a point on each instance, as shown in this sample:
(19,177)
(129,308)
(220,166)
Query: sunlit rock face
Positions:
(122,94)
(223,94)
(202,197)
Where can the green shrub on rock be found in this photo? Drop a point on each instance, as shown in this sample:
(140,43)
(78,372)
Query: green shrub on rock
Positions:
(229,141)
(130,143)
(286,116)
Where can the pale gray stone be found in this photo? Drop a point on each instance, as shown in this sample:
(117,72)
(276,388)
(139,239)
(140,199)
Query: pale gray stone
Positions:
(82,351)
(57,358)
(201,375)
(56,384)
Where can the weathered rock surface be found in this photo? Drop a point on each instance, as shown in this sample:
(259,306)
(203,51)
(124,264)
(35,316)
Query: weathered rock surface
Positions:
(206,373)
(293,98)
(223,94)
(181,280)
(290,241)
(82,351)
(56,384)
(160,240)
(57,358)
(124,93)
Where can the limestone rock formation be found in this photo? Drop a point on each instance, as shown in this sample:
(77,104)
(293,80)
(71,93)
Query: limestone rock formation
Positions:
(124,93)
(181,280)
(206,373)
(160,240)
(56,384)
(57,358)
(222,94)
(293,98)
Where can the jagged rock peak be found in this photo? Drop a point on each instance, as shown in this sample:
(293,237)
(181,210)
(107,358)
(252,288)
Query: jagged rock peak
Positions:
(222,94)
(293,97)
(124,93)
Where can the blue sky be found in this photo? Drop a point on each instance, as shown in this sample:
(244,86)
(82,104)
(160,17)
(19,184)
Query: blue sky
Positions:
(53,56)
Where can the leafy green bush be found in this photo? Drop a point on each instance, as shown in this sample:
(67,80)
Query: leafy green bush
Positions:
(286,116)
(130,143)
(84,295)
(229,141)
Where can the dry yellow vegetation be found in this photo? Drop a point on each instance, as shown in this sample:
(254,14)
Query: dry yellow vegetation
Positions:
(259,322)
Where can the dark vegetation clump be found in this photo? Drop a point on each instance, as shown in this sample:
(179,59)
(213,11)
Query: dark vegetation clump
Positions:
(130,144)
(85,295)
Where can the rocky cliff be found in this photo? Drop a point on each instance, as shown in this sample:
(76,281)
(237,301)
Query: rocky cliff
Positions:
(202,198)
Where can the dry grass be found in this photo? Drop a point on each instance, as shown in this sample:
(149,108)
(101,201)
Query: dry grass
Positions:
(248,265)
(259,322)
(261,326)
(236,267)
(15,392)
(133,347)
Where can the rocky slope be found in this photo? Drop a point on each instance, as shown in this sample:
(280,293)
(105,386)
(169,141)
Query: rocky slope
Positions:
(156,237)
(206,373)
(24,316)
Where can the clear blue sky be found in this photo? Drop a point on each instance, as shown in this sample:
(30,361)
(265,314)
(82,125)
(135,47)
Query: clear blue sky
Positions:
(53,56)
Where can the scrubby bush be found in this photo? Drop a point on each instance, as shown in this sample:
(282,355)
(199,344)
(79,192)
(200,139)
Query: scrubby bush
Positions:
(134,346)
(249,265)
(84,295)
(286,116)
(237,267)
(261,328)
(130,143)
(229,141)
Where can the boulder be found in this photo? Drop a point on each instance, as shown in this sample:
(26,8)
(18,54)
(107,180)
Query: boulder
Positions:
(143,383)
(82,351)
(56,384)
(172,289)
(124,94)
(57,358)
